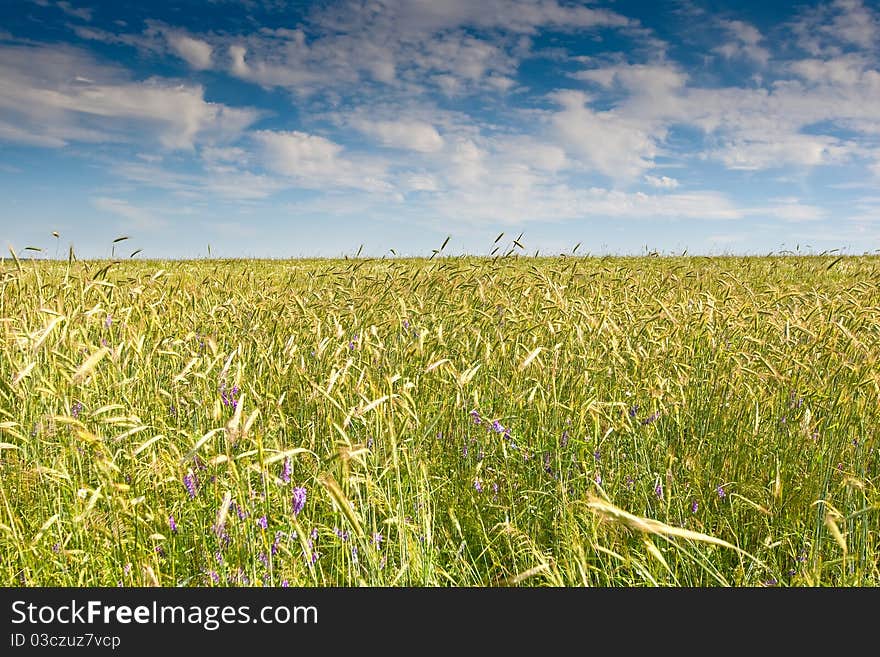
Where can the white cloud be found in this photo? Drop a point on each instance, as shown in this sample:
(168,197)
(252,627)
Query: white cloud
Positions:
(54,95)
(855,24)
(420,182)
(407,134)
(765,151)
(288,73)
(195,52)
(82,13)
(467,165)
(299,154)
(846,70)
(655,92)
(791,122)
(744,44)
(642,79)
(420,16)
(224,182)
(19,135)
(828,29)
(561,203)
(531,152)
(229,154)
(661,182)
(316,162)
(788,209)
(458,46)
(604,141)
(133,216)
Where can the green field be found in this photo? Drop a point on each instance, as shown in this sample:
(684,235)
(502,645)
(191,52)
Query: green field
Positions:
(672,421)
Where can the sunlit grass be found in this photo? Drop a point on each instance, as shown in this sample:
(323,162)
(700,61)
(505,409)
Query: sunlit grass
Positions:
(645,421)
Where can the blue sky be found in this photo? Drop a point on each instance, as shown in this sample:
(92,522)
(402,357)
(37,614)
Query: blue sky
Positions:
(274,128)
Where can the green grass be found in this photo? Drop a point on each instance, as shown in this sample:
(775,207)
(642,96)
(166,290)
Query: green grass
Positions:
(672,421)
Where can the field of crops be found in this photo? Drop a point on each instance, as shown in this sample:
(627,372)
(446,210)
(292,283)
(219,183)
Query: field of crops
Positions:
(672,421)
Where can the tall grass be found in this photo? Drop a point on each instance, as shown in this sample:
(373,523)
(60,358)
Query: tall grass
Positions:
(455,421)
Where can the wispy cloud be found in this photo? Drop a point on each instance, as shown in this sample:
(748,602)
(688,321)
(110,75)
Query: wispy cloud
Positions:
(52,95)
(133,217)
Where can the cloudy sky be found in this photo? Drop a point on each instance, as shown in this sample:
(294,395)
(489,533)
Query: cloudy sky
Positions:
(281,128)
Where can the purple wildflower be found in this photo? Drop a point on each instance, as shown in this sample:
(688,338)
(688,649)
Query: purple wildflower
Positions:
(633,411)
(497,427)
(285,470)
(285,583)
(370,442)
(476,416)
(76,408)
(653,416)
(264,559)
(222,534)
(341,533)
(694,506)
(377,540)
(172,525)
(564,439)
(56,548)
(277,542)
(314,534)
(658,490)
(354,553)
(214,576)
(721,492)
(478,485)
(263,522)
(299,499)
(230,397)
(597,455)
(598,479)
(190,482)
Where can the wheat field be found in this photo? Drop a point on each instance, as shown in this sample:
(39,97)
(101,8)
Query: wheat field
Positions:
(454,421)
